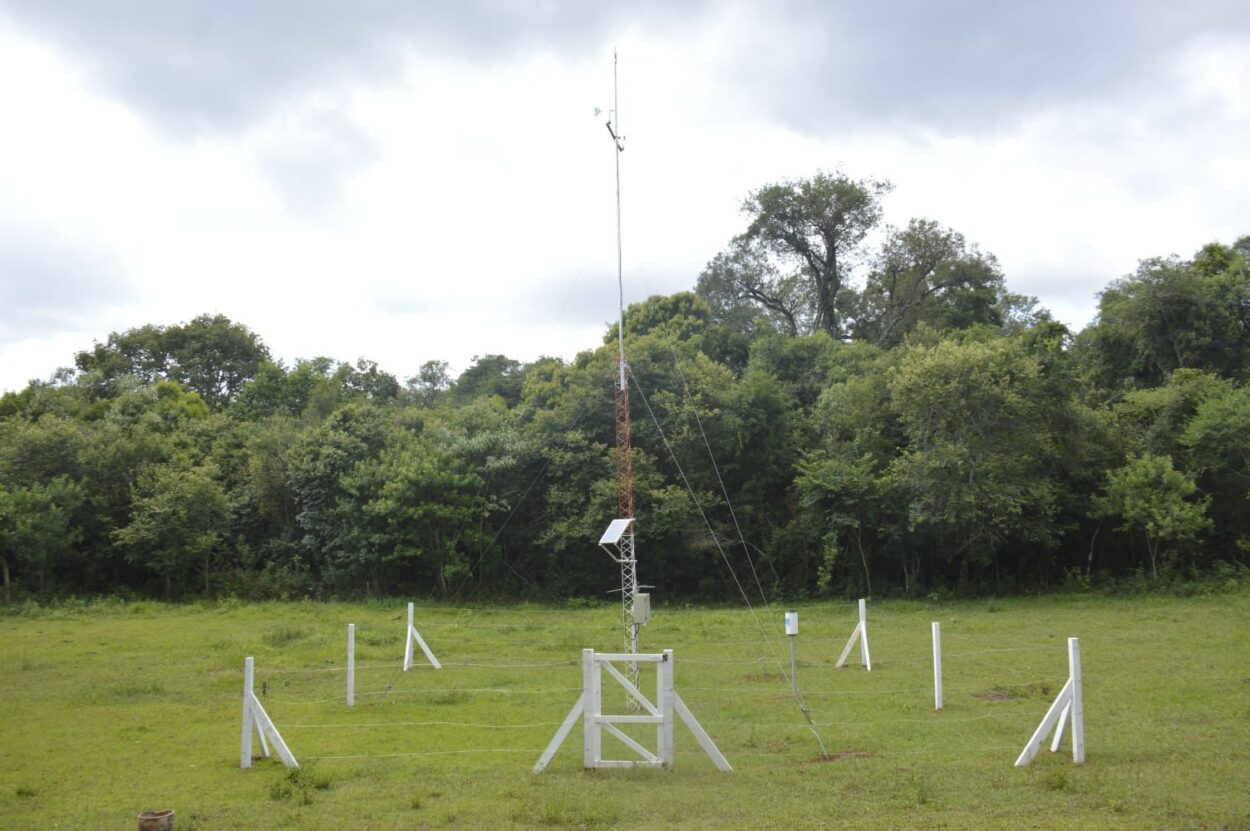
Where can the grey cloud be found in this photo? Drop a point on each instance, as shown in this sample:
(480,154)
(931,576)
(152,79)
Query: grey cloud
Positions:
(49,284)
(819,66)
(969,66)
(194,66)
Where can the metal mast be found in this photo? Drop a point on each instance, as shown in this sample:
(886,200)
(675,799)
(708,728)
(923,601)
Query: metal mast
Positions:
(621,532)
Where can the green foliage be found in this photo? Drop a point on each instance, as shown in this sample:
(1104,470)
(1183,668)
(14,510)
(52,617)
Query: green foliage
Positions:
(180,518)
(36,531)
(978,459)
(830,412)
(210,355)
(928,274)
(1149,495)
(1173,314)
(793,260)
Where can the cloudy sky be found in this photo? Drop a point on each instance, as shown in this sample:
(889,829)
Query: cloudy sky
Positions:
(414,180)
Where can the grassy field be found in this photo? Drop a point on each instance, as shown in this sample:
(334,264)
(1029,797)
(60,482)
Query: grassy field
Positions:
(110,709)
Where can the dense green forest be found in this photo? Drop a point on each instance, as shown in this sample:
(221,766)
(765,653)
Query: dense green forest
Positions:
(838,407)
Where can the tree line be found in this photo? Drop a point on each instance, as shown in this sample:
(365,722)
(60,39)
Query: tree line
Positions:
(837,408)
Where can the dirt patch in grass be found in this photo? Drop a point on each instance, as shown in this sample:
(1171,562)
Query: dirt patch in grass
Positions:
(1000,692)
(996,694)
(843,755)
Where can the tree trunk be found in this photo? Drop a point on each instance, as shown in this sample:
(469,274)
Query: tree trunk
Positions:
(911,573)
(827,285)
(1152,547)
(863,558)
(169,586)
(1089,563)
(4,562)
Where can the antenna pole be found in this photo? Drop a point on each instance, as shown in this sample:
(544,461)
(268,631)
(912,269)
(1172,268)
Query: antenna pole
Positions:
(620,279)
(624,456)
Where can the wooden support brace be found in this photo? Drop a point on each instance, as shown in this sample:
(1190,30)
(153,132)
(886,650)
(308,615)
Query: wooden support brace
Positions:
(627,741)
(267,726)
(705,741)
(633,691)
(412,637)
(1048,723)
(1063,721)
(255,718)
(860,634)
(565,727)
(1066,711)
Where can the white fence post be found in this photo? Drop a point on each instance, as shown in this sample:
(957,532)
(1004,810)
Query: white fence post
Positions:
(245,748)
(863,635)
(412,636)
(351,665)
(937,665)
(255,718)
(1067,709)
(664,683)
(860,633)
(590,711)
(1078,706)
(408,641)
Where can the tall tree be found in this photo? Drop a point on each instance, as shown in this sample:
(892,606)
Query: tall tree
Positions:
(1149,494)
(491,375)
(210,355)
(180,518)
(795,257)
(1173,314)
(36,527)
(981,457)
(927,273)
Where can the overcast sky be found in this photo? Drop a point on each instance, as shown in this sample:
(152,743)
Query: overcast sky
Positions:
(411,181)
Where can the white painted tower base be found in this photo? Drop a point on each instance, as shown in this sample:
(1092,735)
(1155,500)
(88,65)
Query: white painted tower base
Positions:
(595,722)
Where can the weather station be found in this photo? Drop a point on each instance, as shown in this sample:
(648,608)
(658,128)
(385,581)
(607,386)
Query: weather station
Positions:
(618,539)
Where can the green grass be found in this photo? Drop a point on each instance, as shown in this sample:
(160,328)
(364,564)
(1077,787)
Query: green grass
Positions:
(110,709)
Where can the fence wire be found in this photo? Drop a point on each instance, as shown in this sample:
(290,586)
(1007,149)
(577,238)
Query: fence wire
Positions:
(975,675)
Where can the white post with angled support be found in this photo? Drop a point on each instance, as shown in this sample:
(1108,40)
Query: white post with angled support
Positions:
(255,718)
(1067,709)
(937,665)
(412,637)
(351,665)
(861,634)
(668,707)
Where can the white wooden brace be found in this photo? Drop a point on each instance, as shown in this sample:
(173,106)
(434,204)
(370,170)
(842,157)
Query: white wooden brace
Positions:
(860,633)
(255,718)
(415,637)
(1067,710)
